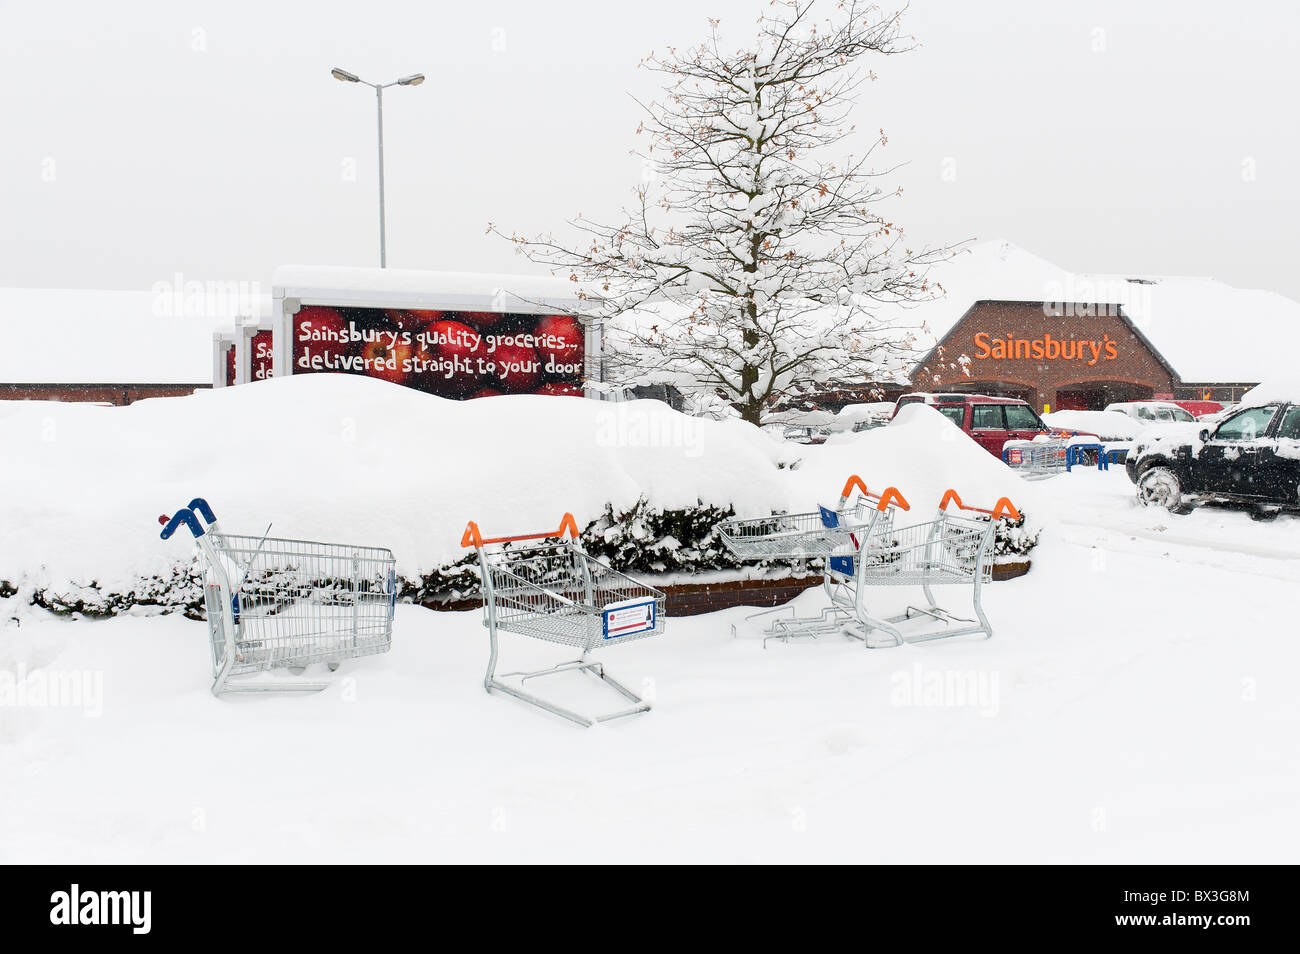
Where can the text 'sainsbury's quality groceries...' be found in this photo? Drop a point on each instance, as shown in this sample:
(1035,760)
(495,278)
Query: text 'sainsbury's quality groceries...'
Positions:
(451,354)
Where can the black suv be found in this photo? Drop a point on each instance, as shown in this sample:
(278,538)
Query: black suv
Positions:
(1251,458)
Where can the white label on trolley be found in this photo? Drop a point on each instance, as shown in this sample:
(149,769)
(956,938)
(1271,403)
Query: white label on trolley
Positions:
(629,617)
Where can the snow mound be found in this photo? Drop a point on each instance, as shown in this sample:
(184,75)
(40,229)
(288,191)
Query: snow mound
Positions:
(349,459)
(922,454)
(1108,425)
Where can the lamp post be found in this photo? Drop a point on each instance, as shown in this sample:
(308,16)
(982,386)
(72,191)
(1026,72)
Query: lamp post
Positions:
(415,79)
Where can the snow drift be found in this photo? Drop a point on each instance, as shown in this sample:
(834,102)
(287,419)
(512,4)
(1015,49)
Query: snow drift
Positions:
(350,459)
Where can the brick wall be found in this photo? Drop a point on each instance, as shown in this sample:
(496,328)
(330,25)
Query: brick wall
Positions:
(692,599)
(1044,353)
(97,393)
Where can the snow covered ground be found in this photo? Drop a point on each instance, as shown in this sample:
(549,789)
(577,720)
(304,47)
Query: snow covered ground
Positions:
(1135,705)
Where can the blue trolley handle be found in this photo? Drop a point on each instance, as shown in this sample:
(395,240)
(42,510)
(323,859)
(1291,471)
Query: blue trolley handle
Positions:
(201,505)
(186,517)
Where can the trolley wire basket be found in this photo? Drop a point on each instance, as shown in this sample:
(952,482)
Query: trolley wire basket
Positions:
(955,547)
(1036,460)
(555,592)
(819,533)
(287,604)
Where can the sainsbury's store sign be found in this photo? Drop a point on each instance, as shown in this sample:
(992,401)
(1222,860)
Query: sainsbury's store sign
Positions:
(1045,348)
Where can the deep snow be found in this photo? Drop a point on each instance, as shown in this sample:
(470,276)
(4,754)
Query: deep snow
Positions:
(351,459)
(1134,704)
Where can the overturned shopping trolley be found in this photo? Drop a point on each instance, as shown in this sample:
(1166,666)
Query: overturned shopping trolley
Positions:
(833,535)
(955,547)
(555,592)
(865,547)
(287,604)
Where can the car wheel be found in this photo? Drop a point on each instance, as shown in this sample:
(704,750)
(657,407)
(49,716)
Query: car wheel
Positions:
(1160,487)
(1264,513)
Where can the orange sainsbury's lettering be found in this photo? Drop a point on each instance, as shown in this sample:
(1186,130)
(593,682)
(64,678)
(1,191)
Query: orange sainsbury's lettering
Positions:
(1045,348)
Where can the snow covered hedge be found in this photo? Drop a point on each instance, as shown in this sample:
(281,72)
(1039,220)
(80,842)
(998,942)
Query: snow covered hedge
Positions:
(343,458)
(644,540)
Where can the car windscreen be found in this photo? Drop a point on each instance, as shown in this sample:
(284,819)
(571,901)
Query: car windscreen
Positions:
(1181,415)
(1246,425)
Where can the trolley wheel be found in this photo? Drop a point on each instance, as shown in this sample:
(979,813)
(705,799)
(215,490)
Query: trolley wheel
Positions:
(334,665)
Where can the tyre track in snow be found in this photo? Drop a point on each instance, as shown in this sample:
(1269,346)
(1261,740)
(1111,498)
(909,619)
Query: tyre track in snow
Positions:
(1255,560)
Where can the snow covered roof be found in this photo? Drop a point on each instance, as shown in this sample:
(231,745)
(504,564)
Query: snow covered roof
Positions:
(1208,331)
(93,336)
(411,288)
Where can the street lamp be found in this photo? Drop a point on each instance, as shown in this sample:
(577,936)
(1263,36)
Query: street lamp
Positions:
(415,79)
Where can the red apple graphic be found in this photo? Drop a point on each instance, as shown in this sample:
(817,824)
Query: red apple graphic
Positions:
(390,358)
(453,341)
(321,327)
(517,369)
(481,320)
(560,343)
(412,321)
(560,389)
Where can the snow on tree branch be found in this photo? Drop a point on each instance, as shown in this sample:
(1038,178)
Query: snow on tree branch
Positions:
(752,268)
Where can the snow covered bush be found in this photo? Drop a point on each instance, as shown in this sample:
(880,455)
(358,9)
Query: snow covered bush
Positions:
(751,265)
(644,540)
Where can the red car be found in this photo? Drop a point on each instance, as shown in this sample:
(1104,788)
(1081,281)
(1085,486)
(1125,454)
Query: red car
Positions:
(1199,408)
(990,421)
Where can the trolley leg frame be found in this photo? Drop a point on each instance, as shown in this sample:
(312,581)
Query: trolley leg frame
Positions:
(594,668)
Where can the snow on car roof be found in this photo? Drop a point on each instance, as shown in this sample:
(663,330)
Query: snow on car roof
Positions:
(1184,318)
(1284,389)
(97,336)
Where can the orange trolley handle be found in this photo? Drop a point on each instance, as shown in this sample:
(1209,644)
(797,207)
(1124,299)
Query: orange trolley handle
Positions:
(890,498)
(1003,508)
(472,537)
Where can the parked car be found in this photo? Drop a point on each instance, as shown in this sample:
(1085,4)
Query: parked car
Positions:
(990,421)
(1199,409)
(1216,416)
(1154,412)
(1251,457)
(804,434)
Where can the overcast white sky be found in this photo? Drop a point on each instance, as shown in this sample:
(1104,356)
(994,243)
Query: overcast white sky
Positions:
(145,138)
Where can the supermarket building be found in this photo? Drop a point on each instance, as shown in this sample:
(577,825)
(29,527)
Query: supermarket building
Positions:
(1059,355)
(1012,324)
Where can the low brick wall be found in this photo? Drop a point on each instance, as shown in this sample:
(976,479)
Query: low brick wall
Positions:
(692,599)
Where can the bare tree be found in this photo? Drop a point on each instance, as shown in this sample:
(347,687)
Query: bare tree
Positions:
(750,269)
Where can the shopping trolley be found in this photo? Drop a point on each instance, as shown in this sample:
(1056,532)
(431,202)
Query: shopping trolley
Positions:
(953,547)
(1036,460)
(287,604)
(555,592)
(833,535)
